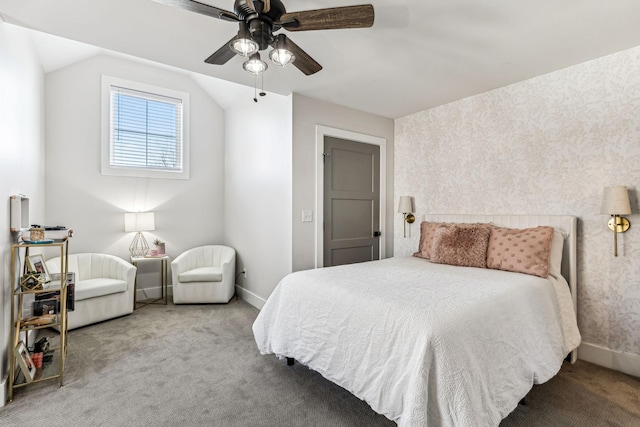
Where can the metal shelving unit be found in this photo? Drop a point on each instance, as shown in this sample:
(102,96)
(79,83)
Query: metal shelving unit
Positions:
(20,331)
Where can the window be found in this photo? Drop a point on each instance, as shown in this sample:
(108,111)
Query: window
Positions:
(145,130)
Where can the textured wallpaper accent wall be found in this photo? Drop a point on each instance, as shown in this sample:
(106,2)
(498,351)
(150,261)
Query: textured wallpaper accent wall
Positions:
(547,145)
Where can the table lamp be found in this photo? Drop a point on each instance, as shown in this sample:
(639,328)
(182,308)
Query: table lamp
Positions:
(139,222)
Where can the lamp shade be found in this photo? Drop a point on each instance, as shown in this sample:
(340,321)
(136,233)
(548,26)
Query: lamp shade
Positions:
(139,221)
(255,65)
(244,47)
(615,201)
(280,54)
(281,57)
(242,44)
(405,205)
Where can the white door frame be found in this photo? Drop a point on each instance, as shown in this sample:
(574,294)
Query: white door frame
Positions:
(321,132)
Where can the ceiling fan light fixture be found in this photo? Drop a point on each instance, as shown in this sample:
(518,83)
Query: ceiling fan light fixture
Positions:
(255,65)
(281,57)
(259,19)
(244,47)
(280,54)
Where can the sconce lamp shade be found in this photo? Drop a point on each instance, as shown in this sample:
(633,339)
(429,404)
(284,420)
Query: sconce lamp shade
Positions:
(406,208)
(139,221)
(405,205)
(615,201)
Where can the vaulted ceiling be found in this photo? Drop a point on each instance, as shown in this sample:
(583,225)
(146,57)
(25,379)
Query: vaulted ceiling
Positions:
(417,55)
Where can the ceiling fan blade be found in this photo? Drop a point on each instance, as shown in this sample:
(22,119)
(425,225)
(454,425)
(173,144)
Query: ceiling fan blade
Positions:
(204,9)
(303,61)
(333,18)
(222,55)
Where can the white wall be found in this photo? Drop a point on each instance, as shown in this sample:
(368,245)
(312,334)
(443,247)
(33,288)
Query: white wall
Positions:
(307,113)
(547,145)
(258,186)
(21,156)
(188,212)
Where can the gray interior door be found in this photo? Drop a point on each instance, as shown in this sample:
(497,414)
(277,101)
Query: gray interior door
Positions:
(351,202)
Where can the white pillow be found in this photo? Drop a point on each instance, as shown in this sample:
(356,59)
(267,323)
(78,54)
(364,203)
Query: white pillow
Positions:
(555,260)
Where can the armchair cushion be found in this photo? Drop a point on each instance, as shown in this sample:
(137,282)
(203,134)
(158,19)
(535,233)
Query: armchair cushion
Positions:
(203,274)
(92,288)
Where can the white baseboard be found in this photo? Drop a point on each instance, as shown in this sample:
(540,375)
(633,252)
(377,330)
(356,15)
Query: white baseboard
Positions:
(623,362)
(250,297)
(4,392)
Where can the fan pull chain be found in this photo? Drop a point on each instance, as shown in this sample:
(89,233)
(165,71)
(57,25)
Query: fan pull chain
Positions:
(255,88)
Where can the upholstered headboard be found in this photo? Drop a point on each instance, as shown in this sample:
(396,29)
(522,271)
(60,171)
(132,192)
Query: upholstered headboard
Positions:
(566,223)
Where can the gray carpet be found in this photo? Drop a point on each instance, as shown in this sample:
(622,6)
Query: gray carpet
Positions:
(195,365)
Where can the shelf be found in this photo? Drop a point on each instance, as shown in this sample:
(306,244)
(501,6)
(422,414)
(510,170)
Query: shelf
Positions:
(49,371)
(56,322)
(51,286)
(54,242)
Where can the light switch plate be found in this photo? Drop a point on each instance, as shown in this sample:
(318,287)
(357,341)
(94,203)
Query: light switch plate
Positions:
(307,216)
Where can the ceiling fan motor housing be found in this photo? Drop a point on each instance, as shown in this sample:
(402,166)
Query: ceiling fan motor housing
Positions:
(260,22)
(272,9)
(260,31)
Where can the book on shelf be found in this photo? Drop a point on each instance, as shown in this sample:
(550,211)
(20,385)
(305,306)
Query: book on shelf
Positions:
(48,305)
(55,284)
(58,233)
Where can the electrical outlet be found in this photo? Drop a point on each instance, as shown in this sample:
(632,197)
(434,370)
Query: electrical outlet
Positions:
(244,272)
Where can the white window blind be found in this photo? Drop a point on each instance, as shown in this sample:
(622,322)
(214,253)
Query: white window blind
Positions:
(146,130)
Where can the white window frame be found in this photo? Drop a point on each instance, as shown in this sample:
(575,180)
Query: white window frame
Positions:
(106,140)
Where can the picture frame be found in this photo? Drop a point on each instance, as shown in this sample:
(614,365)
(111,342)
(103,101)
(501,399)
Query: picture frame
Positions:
(24,360)
(36,263)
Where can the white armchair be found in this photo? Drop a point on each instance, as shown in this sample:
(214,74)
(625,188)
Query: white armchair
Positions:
(205,274)
(103,290)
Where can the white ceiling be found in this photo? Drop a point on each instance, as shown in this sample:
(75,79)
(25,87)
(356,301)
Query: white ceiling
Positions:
(417,55)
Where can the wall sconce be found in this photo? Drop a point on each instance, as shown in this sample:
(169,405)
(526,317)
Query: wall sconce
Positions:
(406,208)
(139,222)
(615,202)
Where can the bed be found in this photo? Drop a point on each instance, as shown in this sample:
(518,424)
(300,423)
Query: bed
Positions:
(426,343)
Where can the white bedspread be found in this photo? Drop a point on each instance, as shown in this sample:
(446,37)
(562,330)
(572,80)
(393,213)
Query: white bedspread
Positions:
(423,344)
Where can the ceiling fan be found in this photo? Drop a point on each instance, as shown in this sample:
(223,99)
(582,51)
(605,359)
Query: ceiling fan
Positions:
(258,20)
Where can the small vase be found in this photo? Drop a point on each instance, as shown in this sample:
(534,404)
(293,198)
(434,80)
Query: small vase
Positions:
(160,249)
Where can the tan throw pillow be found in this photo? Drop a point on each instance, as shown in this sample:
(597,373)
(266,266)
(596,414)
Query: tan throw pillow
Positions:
(461,244)
(427,230)
(525,250)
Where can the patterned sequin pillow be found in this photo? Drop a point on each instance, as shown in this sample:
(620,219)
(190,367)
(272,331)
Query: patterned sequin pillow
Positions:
(525,250)
(427,230)
(461,244)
